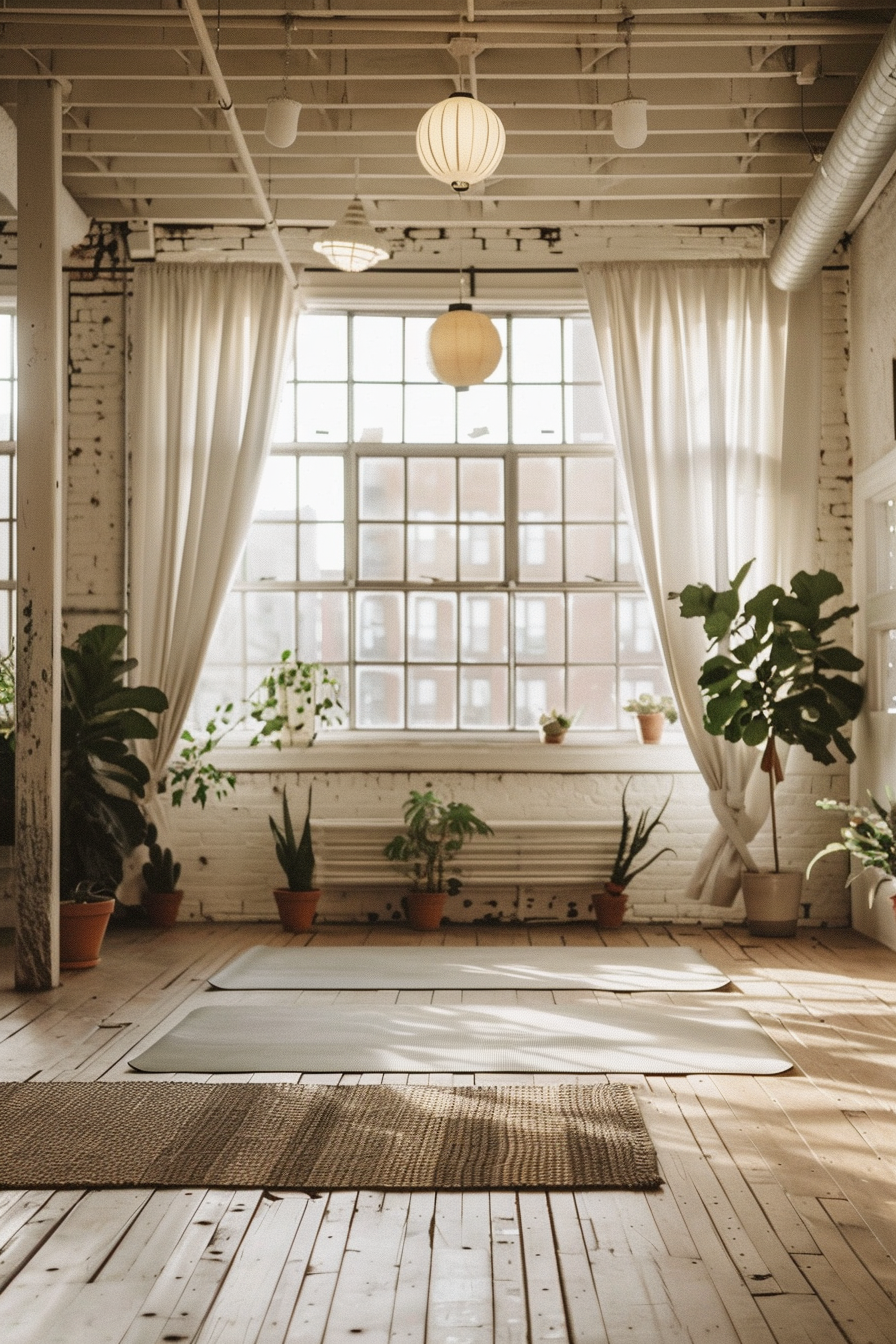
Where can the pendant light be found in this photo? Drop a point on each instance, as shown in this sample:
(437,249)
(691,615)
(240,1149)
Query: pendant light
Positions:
(351,244)
(629,116)
(281,121)
(463,347)
(460,141)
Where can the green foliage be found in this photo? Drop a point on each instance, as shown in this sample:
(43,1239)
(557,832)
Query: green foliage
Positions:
(653,704)
(193,771)
(436,832)
(161,873)
(633,841)
(870,836)
(8,696)
(296,860)
(101,777)
(555,720)
(295,698)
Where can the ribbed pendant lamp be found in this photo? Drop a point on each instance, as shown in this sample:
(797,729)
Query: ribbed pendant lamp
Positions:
(460,141)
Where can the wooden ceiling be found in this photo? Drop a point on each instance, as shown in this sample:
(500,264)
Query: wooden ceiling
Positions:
(740,102)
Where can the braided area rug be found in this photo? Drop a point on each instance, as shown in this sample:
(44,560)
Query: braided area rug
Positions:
(287,1136)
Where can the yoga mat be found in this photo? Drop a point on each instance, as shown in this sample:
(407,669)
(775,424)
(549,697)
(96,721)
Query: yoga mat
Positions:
(351,1037)
(614,968)
(287,1136)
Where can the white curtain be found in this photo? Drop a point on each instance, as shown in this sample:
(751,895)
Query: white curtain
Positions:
(694,359)
(208,351)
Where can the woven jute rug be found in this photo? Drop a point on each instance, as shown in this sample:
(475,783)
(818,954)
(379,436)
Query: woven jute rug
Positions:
(287,1136)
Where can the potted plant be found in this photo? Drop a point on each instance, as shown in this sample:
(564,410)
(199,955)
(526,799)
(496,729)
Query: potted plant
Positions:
(553,726)
(101,781)
(870,836)
(297,901)
(774,677)
(436,833)
(294,701)
(161,898)
(609,904)
(653,712)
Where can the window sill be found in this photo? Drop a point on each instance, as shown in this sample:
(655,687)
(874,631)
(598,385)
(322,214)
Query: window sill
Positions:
(616,753)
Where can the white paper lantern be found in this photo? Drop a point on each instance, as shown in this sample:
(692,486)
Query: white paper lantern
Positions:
(460,141)
(351,244)
(630,122)
(463,347)
(281,122)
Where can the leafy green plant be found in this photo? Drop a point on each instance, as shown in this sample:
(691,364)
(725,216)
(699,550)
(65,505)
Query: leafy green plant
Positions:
(296,860)
(101,778)
(193,771)
(295,697)
(633,841)
(776,676)
(870,836)
(161,873)
(8,696)
(653,704)
(436,833)
(555,721)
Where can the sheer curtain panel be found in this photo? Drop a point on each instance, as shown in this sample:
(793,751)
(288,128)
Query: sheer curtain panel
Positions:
(207,367)
(694,362)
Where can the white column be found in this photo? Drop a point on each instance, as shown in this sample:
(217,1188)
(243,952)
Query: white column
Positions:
(39,546)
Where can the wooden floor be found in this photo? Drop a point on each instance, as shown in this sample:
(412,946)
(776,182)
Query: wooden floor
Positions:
(776,1222)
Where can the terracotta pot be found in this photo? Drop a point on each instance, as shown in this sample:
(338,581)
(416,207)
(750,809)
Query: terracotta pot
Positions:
(82,925)
(551,739)
(162,907)
(425,910)
(609,906)
(296,908)
(650,727)
(773,903)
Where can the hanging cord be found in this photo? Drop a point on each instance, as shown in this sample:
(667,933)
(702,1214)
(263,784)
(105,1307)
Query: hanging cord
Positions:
(816,156)
(626,26)
(218,27)
(288,22)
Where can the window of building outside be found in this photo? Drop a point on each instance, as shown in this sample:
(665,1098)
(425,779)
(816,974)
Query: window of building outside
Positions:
(461,560)
(7,477)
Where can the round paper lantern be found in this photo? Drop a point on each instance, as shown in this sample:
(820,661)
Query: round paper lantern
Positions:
(460,141)
(281,122)
(351,244)
(629,122)
(463,347)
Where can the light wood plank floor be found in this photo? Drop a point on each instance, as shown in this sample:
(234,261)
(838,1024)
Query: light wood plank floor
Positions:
(776,1222)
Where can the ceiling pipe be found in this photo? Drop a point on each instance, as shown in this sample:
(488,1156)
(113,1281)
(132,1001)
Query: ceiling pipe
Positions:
(225,102)
(850,166)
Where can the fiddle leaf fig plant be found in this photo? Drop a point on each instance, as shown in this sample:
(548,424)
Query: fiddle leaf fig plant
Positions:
(776,676)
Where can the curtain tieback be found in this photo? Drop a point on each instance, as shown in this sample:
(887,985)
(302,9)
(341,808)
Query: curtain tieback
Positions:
(727,806)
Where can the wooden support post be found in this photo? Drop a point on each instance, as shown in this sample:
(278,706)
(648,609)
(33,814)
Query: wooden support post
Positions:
(39,546)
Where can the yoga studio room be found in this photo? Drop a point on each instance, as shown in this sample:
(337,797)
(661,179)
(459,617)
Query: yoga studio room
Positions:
(447,672)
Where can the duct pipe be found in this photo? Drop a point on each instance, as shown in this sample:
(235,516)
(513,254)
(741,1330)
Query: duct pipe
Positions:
(857,153)
(73,223)
(225,102)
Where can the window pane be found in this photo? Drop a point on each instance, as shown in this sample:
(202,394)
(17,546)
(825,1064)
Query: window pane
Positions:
(381,487)
(323,628)
(637,641)
(321,490)
(483,627)
(270,552)
(541,552)
(381,551)
(321,413)
(432,627)
(884,515)
(539,628)
(227,642)
(483,697)
(378,413)
(535,350)
(322,552)
(580,362)
(482,489)
(416,350)
(432,697)
(6,345)
(270,626)
(587,415)
(537,414)
(432,551)
(482,415)
(539,489)
(591,694)
(429,414)
(377,349)
(538,691)
(481,553)
(217,686)
(322,347)
(589,489)
(6,490)
(284,430)
(589,552)
(379,697)
(500,373)
(626,569)
(591,627)
(277,495)
(380,627)
(431,488)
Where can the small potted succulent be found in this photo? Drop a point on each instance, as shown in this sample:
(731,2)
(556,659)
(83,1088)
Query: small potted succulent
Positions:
(297,901)
(553,726)
(609,904)
(436,832)
(161,897)
(870,836)
(653,712)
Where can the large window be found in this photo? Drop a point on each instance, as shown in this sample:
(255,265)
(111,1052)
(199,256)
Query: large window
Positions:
(7,476)
(460,559)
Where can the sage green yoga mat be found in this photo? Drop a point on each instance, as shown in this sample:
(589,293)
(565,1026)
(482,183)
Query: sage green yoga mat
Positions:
(613,968)
(373,1037)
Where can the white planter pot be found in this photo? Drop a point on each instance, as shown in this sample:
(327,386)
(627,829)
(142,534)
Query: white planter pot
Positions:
(773,902)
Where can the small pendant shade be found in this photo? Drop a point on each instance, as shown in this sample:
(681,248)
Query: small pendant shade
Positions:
(281,122)
(629,122)
(351,244)
(460,141)
(463,347)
